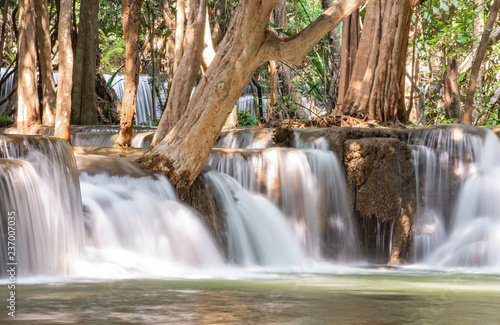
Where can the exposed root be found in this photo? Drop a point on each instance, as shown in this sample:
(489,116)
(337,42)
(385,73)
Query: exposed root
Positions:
(323,122)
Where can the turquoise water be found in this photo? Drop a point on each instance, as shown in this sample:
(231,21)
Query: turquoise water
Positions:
(370,297)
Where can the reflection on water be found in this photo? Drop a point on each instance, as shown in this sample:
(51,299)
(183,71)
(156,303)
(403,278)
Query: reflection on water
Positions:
(378,297)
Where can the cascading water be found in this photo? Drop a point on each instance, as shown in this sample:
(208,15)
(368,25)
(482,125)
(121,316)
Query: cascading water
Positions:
(135,225)
(258,234)
(309,188)
(40,186)
(144,110)
(245,139)
(105,136)
(458,220)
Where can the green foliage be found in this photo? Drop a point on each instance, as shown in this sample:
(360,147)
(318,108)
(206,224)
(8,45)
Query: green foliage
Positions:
(245,118)
(5,120)
(151,121)
(113,52)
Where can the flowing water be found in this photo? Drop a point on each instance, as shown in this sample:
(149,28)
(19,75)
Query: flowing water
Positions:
(100,240)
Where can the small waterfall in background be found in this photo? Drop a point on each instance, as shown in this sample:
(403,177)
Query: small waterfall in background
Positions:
(106,136)
(258,234)
(144,110)
(458,217)
(6,87)
(40,185)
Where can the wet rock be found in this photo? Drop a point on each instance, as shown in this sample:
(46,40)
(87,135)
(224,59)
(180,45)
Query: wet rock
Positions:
(283,137)
(381,181)
(201,198)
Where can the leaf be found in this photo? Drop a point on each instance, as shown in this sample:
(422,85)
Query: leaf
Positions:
(281,30)
(463,38)
(461,77)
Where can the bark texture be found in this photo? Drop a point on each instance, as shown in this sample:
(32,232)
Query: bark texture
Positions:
(247,44)
(467,63)
(179,32)
(376,88)
(46,72)
(131,13)
(65,80)
(350,40)
(27,94)
(476,66)
(189,66)
(169,17)
(84,109)
(452,92)
(4,23)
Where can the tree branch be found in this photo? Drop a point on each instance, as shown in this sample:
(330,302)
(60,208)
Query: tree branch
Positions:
(294,49)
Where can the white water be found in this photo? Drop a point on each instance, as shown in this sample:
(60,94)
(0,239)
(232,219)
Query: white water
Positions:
(258,234)
(245,139)
(462,229)
(309,188)
(6,88)
(134,226)
(137,226)
(40,185)
(144,108)
(474,238)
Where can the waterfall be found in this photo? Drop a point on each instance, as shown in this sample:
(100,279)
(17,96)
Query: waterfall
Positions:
(258,233)
(40,185)
(135,225)
(6,87)
(245,138)
(309,188)
(144,108)
(458,217)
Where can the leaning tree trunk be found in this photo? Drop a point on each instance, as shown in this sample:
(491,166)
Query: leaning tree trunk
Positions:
(476,66)
(65,80)
(83,104)
(350,38)
(131,14)
(182,153)
(179,32)
(45,50)
(27,94)
(168,16)
(376,88)
(189,66)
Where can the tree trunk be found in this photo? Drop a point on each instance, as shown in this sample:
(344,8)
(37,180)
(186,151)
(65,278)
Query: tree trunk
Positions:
(476,66)
(27,94)
(272,90)
(259,97)
(467,63)
(179,32)
(350,40)
(131,15)
(376,88)
(65,80)
(334,59)
(4,23)
(47,74)
(151,16)
(84,109)
(170,42)
(185,75)
(182,153)
(452,93)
